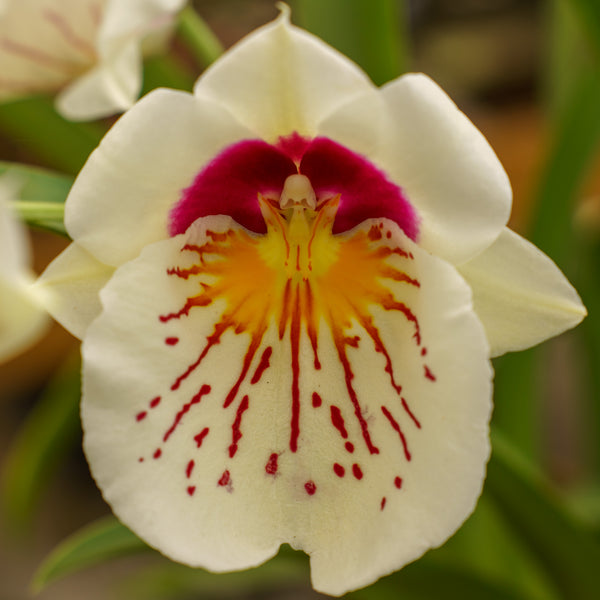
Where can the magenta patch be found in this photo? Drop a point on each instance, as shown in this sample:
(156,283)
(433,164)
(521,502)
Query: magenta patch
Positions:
(230,184)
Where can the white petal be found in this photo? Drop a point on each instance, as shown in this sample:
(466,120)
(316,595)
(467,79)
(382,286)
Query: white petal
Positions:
(281,79)
(22,318)
(447,169)
(109,88)
(142,164)
(216,450)
(520,295)
(14,245)
(45,44)
(71,285)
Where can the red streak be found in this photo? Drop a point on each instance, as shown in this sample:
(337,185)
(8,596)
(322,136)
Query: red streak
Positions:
(349,375)
(310,487)
(391,304)
(155,402)
(349,446)
(141,415)
(200,437)
(286,306)
(225,478)
(383,501)
(410,414)
(395,425)
(189,469)
(252,348)
(338,421)
(205,389)
(191,489)
(316,400)
(339,470)
(423,351)
(235,428)
(398,482)
(263,365)
(310,325)
(271,466)
(295,344)
(157,453)
(429,374)
(367,323)
(211,340)
(357,471)
(171,341)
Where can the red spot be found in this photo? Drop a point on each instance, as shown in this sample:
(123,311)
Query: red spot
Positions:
(423,351)
(398,482)
(338,421)
(383,501)
(155,402)
(316,400)
(388,235)
(357,471)
(339,470)
(205,389)
(191,489)
(263,365)
(374,233)
(235,428)
(189,469)
(396,426)
(409,413)
(171,341)
(225,478)
(310,487)
(349,446)
(141,415)
(200,437)
(295,343)
(157,453)
(429,374)
(271,466)
(140,459)
(352,341)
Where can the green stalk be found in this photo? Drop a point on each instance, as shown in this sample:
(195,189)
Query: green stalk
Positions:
(198,37)
(373,34)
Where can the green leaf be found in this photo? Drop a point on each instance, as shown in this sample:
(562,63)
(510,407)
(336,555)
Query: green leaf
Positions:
(50,430)
(589,17)
(42,195)
(373,34)
(167,580)
(59,143)
(568,551)
(94,544)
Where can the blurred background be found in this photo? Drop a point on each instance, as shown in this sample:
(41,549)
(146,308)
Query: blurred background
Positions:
(527,73)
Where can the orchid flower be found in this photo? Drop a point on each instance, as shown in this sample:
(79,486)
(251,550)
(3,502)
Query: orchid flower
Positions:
(22,316)
(90,51)
(289,286)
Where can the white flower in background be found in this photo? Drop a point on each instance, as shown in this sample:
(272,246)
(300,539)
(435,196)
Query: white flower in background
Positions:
(22,318)
(90,51)
(289,286)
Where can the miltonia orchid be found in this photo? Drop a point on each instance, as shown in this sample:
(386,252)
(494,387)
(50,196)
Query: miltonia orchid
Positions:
(22,316)
(289,286)
(90,50)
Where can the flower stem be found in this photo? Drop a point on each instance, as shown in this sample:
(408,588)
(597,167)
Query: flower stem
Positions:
(198,37)
(31,211)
